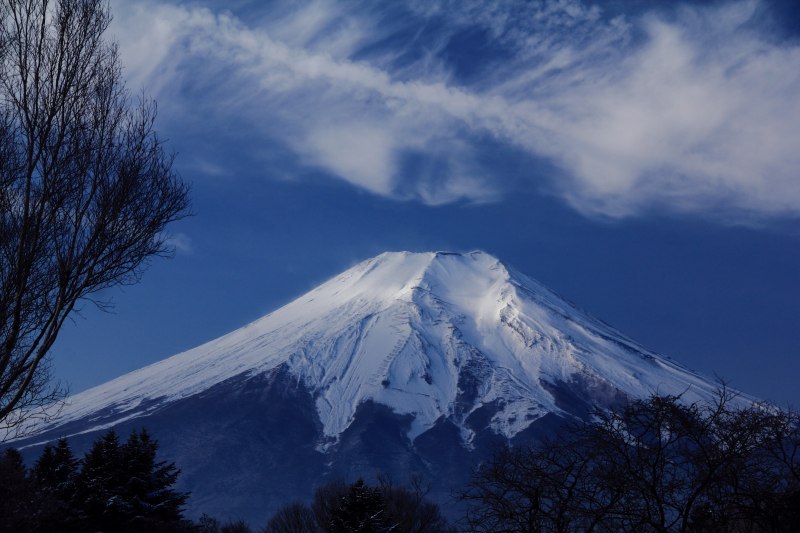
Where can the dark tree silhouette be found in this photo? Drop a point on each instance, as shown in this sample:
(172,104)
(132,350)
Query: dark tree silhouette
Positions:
(209,524)
(54,478)
(116,487)
(359,507)
(361,510)
(16,493)
(657,465)
(408,510)
(86,188)
(327,498)
(295,517)
(99,482)
(121,487)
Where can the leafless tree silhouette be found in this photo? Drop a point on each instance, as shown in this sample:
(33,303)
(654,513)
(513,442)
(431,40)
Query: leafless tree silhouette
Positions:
(86,187)
(656,465)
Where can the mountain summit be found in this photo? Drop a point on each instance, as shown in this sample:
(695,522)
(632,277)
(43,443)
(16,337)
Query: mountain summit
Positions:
(430,335)
(394,365)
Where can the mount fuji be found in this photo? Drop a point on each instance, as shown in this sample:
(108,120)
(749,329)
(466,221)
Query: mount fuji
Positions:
(407,362)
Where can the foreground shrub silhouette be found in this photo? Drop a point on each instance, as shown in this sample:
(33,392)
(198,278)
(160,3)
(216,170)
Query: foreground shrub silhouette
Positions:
(209,524)
(339,508)
(656,465)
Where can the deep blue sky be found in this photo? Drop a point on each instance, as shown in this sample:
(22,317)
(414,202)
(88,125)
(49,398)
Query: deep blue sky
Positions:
(640,159)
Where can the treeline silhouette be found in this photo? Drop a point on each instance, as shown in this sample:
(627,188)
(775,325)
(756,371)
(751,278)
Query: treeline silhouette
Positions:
(115,487)
(657,465)
(341,508)
(123,487)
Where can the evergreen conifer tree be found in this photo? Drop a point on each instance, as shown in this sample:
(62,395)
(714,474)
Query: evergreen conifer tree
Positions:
(16,494)
(97,491)
(54,477)
(362,510)
(116,487)
(122,487)
(147,491)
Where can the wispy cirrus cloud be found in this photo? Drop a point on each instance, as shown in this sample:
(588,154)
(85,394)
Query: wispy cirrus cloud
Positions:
(180,243)
(691,110)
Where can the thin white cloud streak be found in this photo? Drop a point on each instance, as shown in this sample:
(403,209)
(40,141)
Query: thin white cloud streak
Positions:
(180,242)
(349,118)
(701,116)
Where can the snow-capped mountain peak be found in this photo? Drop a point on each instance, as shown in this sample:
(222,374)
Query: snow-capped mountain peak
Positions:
(436,336)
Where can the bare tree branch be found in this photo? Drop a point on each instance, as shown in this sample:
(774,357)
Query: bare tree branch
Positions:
(656,465)
(86,187)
